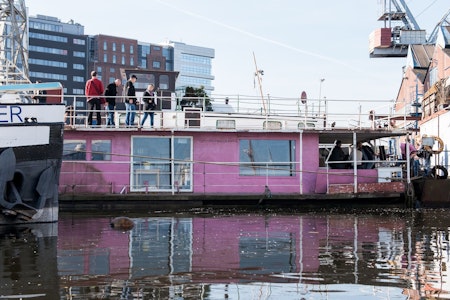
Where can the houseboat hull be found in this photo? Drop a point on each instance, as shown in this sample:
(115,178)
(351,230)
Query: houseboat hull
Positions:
(201,166)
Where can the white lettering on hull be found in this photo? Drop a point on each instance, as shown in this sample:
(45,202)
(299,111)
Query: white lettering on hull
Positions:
(15,114)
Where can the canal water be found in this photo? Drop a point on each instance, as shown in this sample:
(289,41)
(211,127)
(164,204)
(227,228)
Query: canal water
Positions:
(231,254)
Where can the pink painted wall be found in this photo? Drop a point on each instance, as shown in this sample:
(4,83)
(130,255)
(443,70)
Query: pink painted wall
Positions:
(97,176)
(92,237)
(217,241)
(111,176)
(225,178)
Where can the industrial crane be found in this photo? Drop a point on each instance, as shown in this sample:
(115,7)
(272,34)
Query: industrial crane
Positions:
(400,30)
(13,42)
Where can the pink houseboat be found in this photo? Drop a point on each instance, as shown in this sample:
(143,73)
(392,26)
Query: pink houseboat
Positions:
(228,154)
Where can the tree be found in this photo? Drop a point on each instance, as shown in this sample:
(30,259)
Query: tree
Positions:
(195,97)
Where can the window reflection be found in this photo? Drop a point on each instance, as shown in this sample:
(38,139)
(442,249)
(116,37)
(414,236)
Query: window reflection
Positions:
(152,164)
(101,150)
(267,157)
(74,150)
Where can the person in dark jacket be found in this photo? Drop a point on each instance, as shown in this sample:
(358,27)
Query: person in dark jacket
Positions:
(130,101)
(149,104)
(111,93)
(337,154)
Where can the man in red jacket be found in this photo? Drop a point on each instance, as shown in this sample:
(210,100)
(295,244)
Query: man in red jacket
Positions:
(94,93)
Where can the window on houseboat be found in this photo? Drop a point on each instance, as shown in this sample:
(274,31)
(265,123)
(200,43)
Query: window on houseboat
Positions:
(267,157)
(74,150)
(101,150)
(156,167)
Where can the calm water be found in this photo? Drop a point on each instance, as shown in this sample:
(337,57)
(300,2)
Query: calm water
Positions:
(231,254)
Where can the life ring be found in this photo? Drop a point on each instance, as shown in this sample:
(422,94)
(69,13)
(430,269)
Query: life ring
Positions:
(440,145)
(435,172)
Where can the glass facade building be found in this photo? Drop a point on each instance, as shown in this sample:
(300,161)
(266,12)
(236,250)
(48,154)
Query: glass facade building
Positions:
(61,52)
(58,52)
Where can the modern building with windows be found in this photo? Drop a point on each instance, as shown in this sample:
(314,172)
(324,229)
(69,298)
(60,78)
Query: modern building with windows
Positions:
(194,63)
(62,52)
(58,52)
(107,54)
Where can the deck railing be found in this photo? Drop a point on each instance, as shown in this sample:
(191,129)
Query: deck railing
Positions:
(205,178)
(281,113)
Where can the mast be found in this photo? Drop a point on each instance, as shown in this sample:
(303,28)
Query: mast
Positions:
(258,74)
(13,42)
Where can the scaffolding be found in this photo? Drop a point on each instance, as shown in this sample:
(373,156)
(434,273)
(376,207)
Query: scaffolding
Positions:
(13,42)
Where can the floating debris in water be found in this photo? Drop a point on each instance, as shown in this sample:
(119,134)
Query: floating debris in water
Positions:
(122,223)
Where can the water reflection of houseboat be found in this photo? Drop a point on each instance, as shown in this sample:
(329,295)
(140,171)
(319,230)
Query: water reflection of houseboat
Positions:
(163,251)
(193,154)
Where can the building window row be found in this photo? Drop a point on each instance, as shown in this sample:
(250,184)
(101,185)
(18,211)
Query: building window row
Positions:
(48,37)
(78,78)
(196,70)
(45,26)
(196,58)
(114,47)
(48,63)
(79,54)
(191,81)
(48,50)
(79,42)
(78,91)
(78,66)
(114,59)
(48,76)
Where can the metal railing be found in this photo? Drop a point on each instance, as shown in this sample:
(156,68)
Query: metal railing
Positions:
(290,113)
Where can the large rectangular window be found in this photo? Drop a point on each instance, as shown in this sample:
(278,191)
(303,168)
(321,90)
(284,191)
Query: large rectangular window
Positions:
(74,150)
(267,157)
(101,149)
(158,163)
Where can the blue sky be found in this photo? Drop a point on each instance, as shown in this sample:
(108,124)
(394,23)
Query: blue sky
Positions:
(295,42)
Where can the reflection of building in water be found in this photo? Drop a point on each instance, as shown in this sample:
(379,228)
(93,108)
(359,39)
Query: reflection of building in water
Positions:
(428,279)
(164,246)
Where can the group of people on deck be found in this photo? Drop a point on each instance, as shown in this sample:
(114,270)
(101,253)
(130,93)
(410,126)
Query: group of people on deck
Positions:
(97,96)
(363,153)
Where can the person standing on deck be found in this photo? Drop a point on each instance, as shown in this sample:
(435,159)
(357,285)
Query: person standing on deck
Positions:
(130,100)
(359,155)
(94,91)
(111,93)
(149,104)
(337,154)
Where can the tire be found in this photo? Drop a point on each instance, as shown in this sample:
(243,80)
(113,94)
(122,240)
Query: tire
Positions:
(437,170)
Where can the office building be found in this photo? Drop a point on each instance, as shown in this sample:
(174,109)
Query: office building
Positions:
(58,52)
